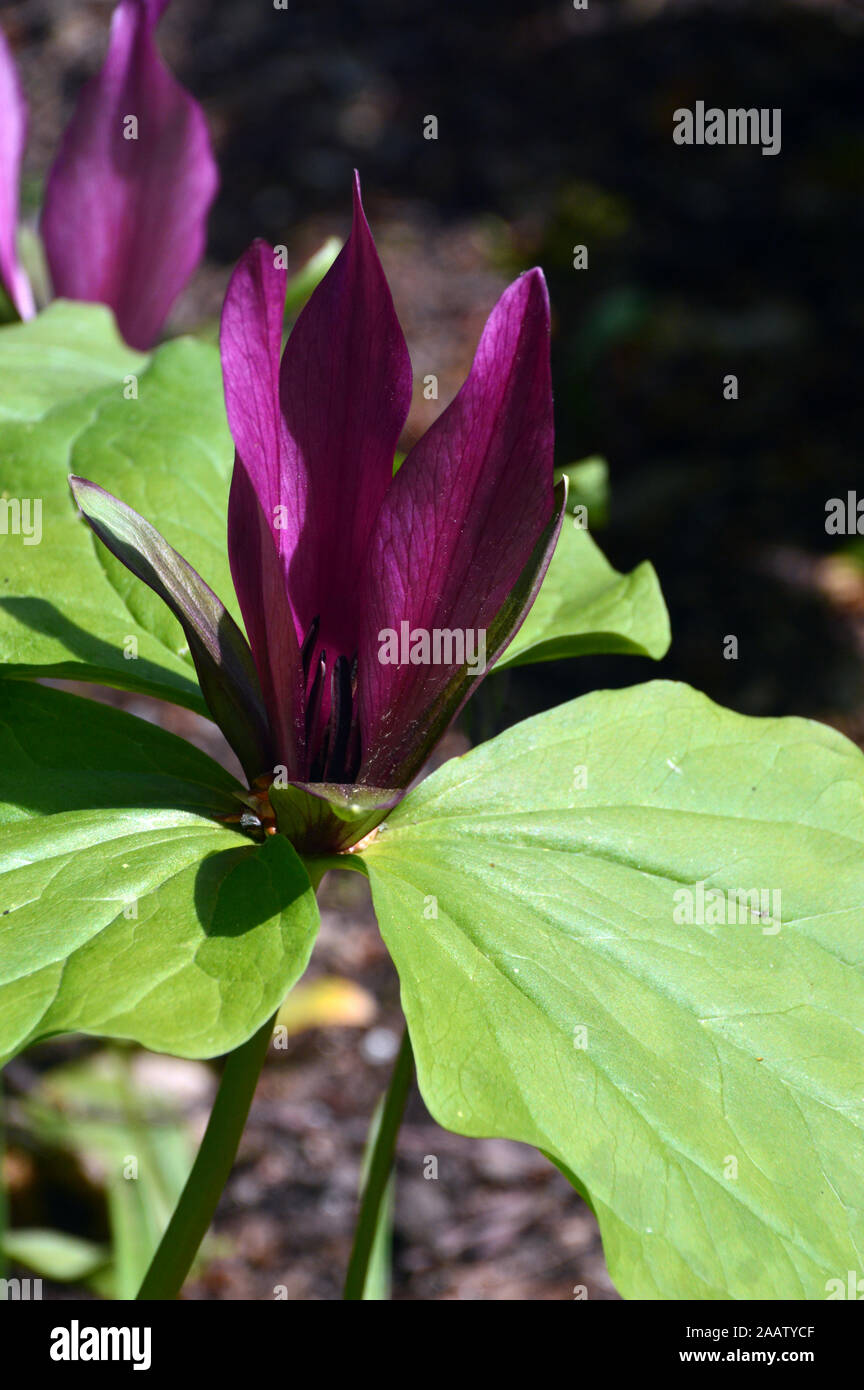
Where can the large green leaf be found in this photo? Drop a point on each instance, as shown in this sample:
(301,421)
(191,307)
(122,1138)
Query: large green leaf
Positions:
(68,607)
(62,355)
(586,607)
(126,908)
(588,489)
(713,1106)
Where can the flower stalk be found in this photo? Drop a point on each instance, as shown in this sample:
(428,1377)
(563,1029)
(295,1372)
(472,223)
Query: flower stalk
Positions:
(204,1186)
(378,1171)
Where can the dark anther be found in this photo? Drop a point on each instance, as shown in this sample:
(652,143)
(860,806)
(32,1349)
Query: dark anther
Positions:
(334,750)
(352,754)
(313,699)
(340,720)
(309,646)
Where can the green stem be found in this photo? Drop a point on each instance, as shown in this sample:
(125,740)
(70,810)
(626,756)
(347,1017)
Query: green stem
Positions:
(380,1163)
(215,1159)
(194,1212)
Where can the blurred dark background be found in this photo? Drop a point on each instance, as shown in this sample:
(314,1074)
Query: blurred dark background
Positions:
(555,129)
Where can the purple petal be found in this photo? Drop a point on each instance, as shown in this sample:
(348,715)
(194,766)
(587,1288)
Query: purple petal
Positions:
(13,132)
(259,582)
(250,343)
(468,516)
(345,390)
(124,219)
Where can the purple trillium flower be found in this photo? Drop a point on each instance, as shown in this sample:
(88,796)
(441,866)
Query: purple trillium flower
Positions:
(127,198)
(367,595)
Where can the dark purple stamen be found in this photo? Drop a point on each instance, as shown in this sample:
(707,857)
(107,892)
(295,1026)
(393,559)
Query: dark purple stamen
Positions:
(313,698)
(309,646)
(341,706)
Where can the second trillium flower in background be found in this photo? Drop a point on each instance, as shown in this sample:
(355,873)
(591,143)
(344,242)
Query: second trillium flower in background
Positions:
(328,547)
(127,197)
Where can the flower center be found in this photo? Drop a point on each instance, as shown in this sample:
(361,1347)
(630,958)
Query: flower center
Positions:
(332,731)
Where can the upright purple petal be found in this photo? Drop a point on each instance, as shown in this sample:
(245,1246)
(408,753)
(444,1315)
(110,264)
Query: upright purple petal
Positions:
(250,343)
(462,519)
(345,391)
(259,582)
(13,132)
(124,218)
